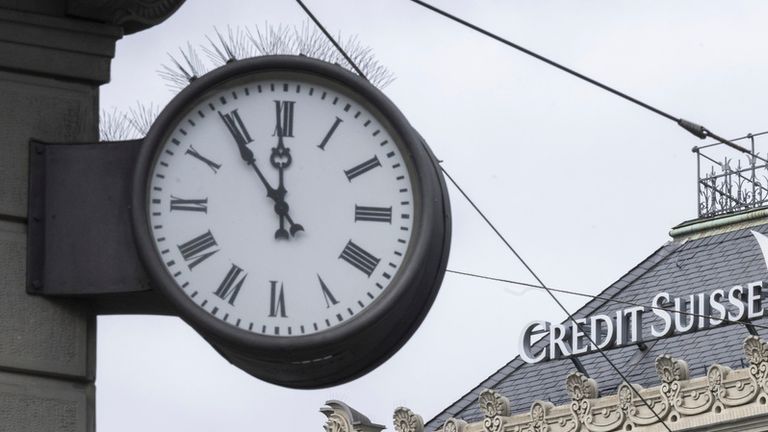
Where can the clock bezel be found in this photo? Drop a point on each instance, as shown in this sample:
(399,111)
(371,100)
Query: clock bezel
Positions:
(424,260)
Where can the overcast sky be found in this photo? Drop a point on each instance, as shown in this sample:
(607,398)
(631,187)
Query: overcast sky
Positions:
(582,183)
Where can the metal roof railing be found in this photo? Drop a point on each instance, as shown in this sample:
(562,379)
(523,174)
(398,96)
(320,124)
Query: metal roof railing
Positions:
(728,183)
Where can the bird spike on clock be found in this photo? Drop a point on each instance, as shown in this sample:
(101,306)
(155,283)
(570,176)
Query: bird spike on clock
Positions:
(235,44)
(239,43)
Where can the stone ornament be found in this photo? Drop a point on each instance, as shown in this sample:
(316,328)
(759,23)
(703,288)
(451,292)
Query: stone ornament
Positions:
(493,403)
(539,411)
(406,420)
(581,389)
(495,406)
(454,425)
(343,418)
(671,372)
(679,400)
(756,352)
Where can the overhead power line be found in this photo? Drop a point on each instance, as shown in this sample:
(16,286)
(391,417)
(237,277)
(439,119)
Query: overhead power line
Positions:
(698,130)
(330,38)
(555,299)
(589,338)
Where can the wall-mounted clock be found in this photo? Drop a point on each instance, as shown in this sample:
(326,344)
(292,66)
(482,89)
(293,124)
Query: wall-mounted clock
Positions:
(294,218)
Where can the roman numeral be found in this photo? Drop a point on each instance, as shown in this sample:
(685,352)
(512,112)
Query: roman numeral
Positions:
(283,118)
(198,249)
(330,300)
(373,214)
(359,258)
(211,164)
(236,127)
(230,286)
(362,168)
(193,205)
(330,132)
(276,300)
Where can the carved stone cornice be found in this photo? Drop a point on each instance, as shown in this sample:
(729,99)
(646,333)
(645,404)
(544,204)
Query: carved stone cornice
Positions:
(722,397)
(343,418)
(131,15)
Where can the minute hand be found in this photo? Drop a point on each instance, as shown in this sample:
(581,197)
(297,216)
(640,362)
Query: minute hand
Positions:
(245,153)
(242,138)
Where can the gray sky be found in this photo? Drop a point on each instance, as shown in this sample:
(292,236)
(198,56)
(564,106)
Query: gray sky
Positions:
(583,183)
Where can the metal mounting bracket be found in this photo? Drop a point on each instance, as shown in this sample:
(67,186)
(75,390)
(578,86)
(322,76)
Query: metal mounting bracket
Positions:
(80,241)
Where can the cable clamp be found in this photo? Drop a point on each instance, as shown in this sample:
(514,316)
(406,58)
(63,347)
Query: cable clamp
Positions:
(696,129)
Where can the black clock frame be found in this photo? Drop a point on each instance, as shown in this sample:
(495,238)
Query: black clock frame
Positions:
(353,348)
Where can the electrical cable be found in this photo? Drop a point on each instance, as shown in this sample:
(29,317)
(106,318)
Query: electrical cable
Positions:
(697,130)
(606,299)
(333,41)
(624,378)
(555,299)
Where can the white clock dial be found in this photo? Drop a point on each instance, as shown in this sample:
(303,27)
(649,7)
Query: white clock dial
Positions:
(281,261)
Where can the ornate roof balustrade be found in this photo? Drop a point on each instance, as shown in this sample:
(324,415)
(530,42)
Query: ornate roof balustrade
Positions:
(723,400)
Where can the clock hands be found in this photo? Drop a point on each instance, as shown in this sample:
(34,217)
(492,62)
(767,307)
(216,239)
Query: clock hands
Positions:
(281,159)
(236,127)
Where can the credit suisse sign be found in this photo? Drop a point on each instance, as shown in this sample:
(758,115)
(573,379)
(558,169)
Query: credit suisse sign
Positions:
(687,314)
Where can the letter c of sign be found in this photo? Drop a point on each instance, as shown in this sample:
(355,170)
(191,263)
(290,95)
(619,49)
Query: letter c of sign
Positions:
(533,328)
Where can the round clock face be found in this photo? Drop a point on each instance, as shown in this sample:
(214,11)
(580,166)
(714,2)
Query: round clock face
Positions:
(281,204)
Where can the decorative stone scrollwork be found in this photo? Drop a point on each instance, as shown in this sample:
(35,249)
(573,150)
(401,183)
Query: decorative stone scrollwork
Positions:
(539,411)
(581,390)
(336,423)
(626,396)
(726,394)
(454,425)
(343,418)
(406,420)
(756,352)
(638,414)
(671,371)
(495,406)
(493,403)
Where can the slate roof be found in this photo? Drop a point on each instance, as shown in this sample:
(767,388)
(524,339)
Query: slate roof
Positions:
(682,266)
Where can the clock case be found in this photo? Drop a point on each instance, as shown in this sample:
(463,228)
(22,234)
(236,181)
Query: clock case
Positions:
(362,343)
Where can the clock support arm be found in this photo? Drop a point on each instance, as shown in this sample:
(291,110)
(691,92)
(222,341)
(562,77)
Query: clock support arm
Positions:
(80,242)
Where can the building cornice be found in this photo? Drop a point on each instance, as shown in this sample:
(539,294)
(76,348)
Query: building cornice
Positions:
(723,400)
